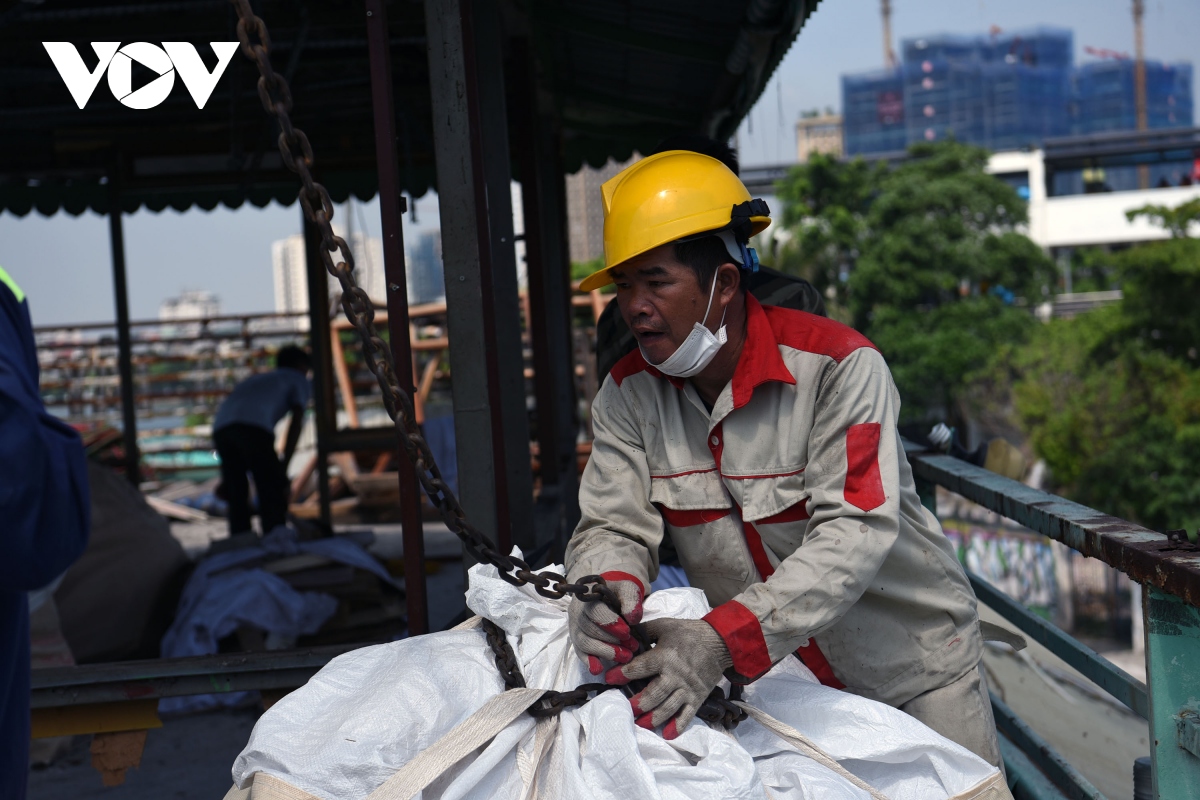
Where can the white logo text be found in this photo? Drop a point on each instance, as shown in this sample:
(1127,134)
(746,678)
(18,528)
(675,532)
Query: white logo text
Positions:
(164,61)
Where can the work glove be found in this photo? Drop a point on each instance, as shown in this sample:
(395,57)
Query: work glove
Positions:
(689,659)
(940,436)
(596,630)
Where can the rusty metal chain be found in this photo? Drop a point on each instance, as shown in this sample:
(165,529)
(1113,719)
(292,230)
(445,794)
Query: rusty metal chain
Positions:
(506,659)
(716,709)
(297,154)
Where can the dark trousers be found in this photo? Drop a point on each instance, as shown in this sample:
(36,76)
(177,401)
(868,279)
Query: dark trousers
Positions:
(246,448)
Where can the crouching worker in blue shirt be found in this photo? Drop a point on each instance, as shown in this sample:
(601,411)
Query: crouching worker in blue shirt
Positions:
(244,435)
(44,519)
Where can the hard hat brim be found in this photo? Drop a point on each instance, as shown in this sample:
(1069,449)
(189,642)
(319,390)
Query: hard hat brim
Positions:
(603,277)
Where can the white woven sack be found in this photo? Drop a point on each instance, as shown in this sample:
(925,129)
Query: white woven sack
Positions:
(372,711)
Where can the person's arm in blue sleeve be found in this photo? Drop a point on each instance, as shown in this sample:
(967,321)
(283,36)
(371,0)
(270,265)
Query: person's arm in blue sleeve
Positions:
(45,512)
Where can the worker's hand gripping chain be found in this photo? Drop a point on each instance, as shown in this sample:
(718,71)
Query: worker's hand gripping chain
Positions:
(606,630)
(715,708)
(297,154)
(686,664)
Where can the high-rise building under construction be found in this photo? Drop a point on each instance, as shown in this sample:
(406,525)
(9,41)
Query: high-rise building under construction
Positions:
(1003,91)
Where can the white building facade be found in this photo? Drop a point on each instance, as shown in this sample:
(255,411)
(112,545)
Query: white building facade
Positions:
(288,271)
(1062,223)
(1082,220)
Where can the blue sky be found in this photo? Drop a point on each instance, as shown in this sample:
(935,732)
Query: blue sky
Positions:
(63,264)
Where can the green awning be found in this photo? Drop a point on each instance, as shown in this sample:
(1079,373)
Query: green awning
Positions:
(622,76)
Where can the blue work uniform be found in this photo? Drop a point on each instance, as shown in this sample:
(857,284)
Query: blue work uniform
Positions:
(44,519)
(244,436)
(262,400)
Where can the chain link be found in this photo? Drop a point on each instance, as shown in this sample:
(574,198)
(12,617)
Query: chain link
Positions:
(296,152)
(716,708)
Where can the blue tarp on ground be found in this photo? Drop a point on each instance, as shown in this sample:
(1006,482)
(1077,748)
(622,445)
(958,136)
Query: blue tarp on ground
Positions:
(232,589)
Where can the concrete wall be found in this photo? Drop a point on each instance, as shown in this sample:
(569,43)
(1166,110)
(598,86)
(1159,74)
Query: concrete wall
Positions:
(1085,219)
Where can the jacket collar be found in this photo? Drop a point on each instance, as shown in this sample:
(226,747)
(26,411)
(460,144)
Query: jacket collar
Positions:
(678,383)
(760,361)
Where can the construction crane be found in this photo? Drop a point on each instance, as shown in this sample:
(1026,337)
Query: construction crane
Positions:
(1104,52)
(889,55)
(1139,80)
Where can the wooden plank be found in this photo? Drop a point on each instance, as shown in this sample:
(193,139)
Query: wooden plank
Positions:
(176,510)
(343,377)
(426,386)
(132,715)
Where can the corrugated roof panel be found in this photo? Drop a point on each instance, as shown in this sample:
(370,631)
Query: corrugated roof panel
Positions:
(623,74)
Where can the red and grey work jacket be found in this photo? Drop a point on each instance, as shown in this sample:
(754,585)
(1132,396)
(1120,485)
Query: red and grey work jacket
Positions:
(791,504)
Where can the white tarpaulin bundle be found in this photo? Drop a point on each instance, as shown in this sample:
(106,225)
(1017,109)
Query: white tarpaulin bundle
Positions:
(429,717)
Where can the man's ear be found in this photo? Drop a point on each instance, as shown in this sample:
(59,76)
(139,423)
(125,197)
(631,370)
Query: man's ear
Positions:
(729,278)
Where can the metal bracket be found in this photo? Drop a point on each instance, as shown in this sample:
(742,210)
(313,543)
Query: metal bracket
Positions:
(1187,728)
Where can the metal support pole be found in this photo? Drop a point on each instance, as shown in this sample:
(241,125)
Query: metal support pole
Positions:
(124,341)
(1139,80)
(471,147)
(549,298)
(391,211)
(1172,653)
(324,408)
(560,338)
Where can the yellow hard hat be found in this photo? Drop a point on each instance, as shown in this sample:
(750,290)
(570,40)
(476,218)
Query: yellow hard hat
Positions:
(670,196)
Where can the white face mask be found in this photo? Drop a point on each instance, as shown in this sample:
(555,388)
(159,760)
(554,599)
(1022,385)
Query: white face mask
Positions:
(698,349)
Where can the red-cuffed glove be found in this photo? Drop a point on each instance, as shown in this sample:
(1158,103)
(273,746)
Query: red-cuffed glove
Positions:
(686,662)
(597,632)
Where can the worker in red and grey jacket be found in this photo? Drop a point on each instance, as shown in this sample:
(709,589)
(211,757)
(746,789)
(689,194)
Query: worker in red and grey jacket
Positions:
(762,443)
(44,519)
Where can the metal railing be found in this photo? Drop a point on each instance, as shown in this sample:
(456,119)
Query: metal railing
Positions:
(1169,573)
(180,370)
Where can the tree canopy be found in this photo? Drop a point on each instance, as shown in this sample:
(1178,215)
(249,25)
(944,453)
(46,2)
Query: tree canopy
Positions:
(927,259)
(1111,398)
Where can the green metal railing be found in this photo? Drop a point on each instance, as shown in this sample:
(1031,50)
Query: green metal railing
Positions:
(1169,573)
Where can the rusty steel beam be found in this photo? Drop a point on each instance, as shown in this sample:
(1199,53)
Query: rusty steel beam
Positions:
(55,687)
(1144,555)
(391,210)
(491,422)
(133,470)
(324,405)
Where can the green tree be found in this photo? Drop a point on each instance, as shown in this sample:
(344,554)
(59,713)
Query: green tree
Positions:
(1119,430)
(1093,269)
(1111,398)
(581,269)
(1161,283)
(1177,220)
(926,259)
(825,205)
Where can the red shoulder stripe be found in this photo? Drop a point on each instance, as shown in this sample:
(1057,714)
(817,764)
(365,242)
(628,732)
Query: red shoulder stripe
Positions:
(864,485)
(631,364)
(686,519)
(797,512)
(812,334)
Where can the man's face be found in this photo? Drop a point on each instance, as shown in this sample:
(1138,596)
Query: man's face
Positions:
(660,300)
